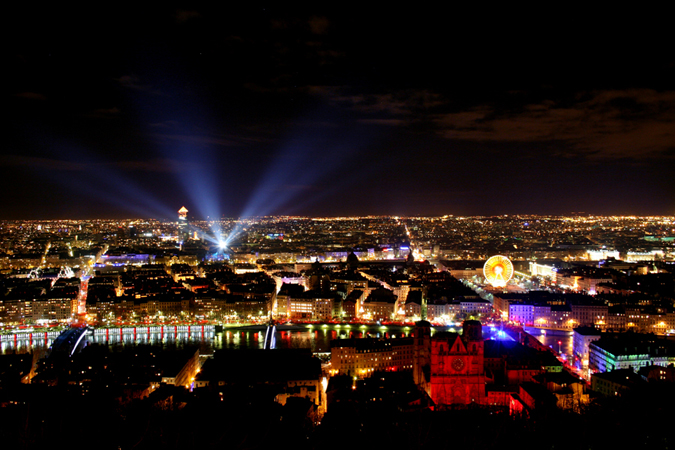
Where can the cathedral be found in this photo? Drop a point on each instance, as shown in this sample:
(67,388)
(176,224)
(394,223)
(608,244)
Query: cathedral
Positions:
(457,375)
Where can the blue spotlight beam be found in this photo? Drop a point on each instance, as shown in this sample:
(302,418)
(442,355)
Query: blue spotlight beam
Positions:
(312,154)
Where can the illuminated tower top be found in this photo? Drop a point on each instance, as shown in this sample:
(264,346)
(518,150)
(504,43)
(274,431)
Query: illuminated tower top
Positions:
(182,213)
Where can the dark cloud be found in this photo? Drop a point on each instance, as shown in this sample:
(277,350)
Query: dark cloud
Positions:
(613,124)
(32,95)
(134,82)
(319,25)
(183,16)
(400,103)
(105,112)
(130,81)
(388,122)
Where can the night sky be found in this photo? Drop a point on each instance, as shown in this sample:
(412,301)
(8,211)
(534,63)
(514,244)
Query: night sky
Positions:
(124,111)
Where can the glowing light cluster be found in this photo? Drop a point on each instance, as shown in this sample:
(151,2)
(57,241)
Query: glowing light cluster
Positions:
(498,270)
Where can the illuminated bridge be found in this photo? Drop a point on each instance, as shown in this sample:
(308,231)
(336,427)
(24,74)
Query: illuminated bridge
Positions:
(270,337)
(148,334)
(68,341)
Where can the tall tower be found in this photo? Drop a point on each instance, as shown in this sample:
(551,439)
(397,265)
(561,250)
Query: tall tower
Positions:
(183,226)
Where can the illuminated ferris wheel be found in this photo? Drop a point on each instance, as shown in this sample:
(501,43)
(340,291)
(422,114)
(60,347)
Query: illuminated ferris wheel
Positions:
(498,270)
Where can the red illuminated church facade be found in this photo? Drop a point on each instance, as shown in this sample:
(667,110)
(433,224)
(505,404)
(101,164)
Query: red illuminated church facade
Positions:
(457,369)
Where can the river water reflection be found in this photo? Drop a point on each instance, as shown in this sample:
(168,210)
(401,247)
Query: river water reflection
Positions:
(558,340)
(317,338)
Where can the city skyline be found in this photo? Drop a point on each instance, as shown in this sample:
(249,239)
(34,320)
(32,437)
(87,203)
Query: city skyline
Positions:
(204,333)
(254,110)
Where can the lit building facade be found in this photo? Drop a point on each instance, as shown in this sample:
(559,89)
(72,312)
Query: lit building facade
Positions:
(631,351)
(362,357)
(581,341)
(54,309)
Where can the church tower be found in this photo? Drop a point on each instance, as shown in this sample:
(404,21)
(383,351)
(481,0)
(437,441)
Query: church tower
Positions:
(422,355)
